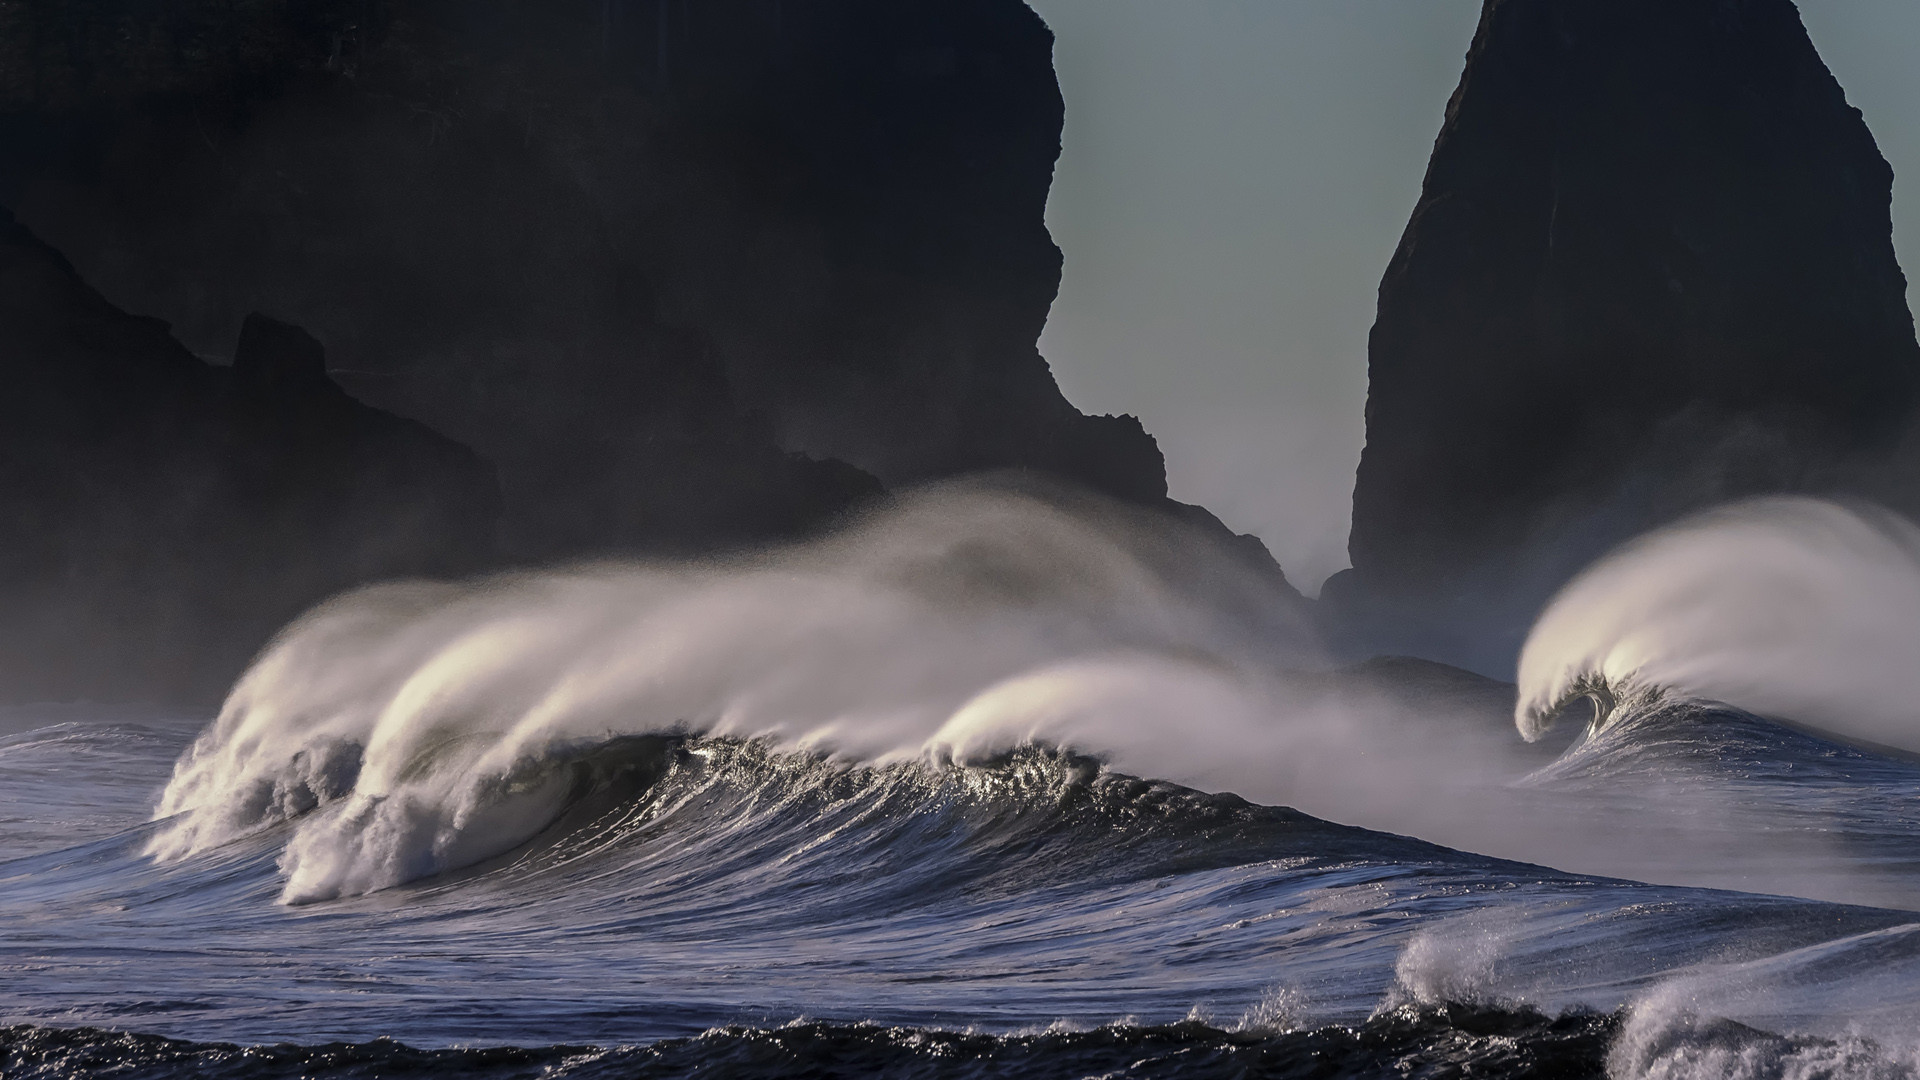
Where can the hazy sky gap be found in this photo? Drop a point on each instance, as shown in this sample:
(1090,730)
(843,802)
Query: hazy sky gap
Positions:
(1235,176)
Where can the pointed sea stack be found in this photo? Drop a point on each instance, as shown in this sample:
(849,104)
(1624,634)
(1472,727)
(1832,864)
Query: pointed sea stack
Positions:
(1651,268)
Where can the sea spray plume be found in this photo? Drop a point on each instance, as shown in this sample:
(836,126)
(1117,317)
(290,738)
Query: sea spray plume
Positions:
(1788,607)
(1456,960)
(412,729)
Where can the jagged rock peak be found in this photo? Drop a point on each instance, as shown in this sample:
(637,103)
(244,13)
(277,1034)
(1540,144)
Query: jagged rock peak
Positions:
(1651,267)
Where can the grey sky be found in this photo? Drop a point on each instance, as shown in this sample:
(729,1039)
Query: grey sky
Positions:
(1235,176)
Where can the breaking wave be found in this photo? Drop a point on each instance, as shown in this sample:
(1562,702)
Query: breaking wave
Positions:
(411,729)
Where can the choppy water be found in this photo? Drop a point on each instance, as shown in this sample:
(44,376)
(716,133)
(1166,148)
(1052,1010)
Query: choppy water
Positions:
(542,844)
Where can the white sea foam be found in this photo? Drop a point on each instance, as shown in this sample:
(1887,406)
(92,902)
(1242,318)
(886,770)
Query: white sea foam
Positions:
(1787,607)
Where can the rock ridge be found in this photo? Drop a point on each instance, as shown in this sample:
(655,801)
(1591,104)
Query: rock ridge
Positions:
(160,517)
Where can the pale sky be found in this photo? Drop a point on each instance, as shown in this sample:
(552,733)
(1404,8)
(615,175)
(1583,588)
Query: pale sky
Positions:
(1235,176)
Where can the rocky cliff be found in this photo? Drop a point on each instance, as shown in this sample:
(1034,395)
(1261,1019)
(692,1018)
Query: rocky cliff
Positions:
(639,253)
(161,517)
(1650,268)
(688,275)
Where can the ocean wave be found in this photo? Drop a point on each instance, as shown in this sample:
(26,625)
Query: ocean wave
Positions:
(1677,1044)
(767,839)
(438,724)
(701,880)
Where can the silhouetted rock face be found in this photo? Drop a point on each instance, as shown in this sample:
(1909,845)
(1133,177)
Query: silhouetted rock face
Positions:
(1651,268)
(606,243)
(689,275)
(160,518)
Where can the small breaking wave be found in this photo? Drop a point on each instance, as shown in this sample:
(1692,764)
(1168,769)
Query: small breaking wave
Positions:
(1794,608)
(1661,1040)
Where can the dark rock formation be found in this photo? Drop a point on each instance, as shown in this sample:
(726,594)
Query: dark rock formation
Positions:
(633,251)
(690,275)
(1651,268)
(160,517)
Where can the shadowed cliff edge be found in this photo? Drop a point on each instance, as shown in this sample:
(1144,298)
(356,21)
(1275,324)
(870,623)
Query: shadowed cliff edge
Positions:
(160,517)
(1651,269)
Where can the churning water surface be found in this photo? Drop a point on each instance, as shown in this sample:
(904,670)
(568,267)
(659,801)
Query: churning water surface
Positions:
(996,783)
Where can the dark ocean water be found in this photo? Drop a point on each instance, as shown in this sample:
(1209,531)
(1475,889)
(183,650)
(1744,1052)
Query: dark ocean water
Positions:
(716,904)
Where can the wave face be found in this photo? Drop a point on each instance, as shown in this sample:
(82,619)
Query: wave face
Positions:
(1039,903)
(997,783)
